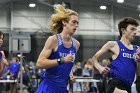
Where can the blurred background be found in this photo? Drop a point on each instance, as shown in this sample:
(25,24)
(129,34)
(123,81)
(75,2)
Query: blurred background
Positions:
(26,25)
(29,24)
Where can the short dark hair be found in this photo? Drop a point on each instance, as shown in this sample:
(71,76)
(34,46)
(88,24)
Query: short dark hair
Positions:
(125,22)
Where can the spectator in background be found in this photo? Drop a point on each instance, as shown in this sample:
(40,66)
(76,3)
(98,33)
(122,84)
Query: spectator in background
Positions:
(77,69)
(87,69)
(14,72)
(77,72)
(87,72)
(106,63)
(14,68)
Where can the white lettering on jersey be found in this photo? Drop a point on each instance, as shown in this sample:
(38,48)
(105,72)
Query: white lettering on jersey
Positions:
(127,55)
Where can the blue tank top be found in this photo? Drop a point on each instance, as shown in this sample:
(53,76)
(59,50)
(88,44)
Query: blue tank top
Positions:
(14,68)
(124,66)
(58,76)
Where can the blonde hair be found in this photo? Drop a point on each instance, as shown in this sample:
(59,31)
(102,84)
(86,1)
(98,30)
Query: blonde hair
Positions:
(61,14)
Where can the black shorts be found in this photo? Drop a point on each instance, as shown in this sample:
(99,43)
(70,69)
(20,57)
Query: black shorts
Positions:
(138,84)
(137,79)
(113,83)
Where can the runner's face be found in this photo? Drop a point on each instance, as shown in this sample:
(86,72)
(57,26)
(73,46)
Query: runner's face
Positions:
(130,32)
(72,24)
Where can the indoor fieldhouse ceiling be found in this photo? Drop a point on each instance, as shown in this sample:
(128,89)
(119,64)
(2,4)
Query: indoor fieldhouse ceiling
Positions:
(130,4)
